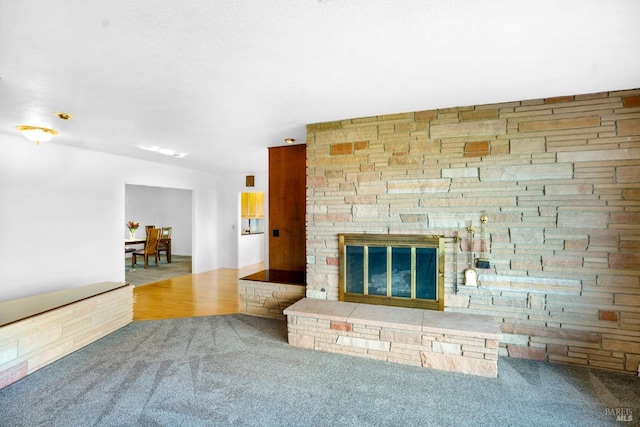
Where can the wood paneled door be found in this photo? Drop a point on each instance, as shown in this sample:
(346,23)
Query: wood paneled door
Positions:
(287,206)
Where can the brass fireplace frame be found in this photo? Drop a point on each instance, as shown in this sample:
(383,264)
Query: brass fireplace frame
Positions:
(395,241)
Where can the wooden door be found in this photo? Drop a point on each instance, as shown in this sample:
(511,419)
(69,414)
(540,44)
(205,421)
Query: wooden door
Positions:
(287,208)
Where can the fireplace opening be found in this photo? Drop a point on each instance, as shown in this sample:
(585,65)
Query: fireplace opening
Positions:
(392,269)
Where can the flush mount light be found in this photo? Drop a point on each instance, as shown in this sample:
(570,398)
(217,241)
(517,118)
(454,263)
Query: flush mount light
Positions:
(37,134)
(289,140)
(165,151)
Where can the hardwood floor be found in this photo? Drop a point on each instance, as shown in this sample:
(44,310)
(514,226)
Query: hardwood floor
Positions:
(204,294)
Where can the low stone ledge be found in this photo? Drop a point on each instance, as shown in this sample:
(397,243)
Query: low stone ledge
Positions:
(441,340)
(36,333)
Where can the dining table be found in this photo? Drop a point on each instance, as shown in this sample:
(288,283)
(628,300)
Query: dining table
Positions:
(128,242)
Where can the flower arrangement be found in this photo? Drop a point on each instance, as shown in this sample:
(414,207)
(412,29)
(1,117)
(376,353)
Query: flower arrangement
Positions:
(132,226)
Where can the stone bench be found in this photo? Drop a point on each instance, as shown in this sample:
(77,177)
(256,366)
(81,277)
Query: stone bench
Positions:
(38,330)
(464,343)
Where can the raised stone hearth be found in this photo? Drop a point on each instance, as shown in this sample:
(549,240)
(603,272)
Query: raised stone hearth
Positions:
(464,343)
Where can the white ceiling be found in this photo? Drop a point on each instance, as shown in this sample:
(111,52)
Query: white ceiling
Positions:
(221,80)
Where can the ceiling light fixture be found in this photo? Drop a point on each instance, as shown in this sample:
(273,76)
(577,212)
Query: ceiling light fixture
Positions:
(165,151)
(37,134)
(289,140)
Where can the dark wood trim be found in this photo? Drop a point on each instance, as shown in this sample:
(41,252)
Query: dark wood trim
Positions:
(287,208)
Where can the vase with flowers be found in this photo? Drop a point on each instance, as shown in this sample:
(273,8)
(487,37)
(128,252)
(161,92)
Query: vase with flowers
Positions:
(132,226)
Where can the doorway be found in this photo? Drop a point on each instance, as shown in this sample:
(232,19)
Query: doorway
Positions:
(161,207)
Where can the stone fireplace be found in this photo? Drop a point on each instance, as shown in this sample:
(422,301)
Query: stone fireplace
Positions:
(392,269)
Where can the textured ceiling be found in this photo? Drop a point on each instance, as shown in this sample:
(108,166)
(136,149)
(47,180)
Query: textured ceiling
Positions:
(223,80)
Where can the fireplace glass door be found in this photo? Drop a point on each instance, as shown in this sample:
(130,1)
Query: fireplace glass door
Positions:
(402,270)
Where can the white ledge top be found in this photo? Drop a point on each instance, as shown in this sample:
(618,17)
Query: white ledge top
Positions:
(321,309)
(475,325)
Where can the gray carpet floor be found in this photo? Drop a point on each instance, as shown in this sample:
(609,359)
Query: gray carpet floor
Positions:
(238,370)
(179,266)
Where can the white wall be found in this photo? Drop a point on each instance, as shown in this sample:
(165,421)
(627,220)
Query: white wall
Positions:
(161,207)
(250,249)
(62,215)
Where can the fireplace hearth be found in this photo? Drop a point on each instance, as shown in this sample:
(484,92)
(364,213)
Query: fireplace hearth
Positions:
(392,269)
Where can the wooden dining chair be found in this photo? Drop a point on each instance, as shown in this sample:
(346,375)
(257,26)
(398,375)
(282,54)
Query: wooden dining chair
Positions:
(150,248)
(147,228)
(164,244)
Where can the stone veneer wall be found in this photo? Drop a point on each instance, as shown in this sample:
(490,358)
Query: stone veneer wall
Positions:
(559,179)
(267,299)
